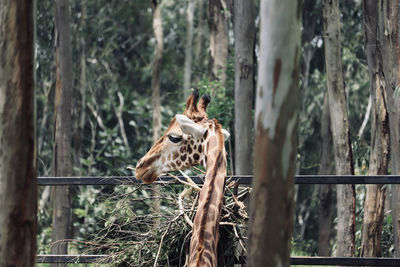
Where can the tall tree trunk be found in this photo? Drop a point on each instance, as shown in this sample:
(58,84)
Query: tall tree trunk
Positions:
(200,36)
(244,85)
(18,186)
(308,50)
(340,129)
(379,159)
(155,85)
(218,25)
(188,48)
(325,191)
(62,165)
(389,38)
(271,219)
(156,71)
(80,93)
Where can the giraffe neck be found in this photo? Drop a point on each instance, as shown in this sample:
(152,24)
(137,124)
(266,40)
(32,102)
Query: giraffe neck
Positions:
(203,245)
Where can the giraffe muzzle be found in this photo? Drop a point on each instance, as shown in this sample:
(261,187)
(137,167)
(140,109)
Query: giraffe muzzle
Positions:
(147,176)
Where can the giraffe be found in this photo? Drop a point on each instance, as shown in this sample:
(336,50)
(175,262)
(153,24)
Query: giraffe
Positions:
(192,139)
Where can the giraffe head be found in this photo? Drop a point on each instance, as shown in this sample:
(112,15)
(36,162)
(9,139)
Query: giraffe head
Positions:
(184,143)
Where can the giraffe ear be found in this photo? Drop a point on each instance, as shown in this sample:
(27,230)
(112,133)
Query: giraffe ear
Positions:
(226,134)
(190,127)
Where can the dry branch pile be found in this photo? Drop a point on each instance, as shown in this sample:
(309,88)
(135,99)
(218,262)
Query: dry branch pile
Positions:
(136,233)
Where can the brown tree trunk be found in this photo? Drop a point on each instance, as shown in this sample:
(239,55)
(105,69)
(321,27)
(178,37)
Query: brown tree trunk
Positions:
(389,32)
(218,25)
(340,129)
(62,165)
(156,71)
(271,219)
(379,159)
(200,36)
(244,85)
(80,95)
(188,47)
(325,191)
(155,85)
(18,185)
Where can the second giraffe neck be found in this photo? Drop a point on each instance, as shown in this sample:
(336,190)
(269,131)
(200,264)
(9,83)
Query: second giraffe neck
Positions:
(203,245)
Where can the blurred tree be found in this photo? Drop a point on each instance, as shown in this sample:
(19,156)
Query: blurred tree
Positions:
(156,71)
(325,191)
(18,185)
(340,129)
(275,134)
(62,162)
(218,24)
(190,11)
(201,31)
(244,29)
(79,96)
(380,141)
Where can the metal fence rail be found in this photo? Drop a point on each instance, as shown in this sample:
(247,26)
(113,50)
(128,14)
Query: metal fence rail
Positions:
(348,261)
(243,180)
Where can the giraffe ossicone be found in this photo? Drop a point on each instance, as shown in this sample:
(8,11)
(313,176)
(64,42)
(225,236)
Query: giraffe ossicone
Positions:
(193,139)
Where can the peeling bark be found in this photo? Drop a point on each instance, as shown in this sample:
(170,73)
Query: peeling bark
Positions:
(379,158)
(340,129)
(389,39)
(18,185)
(275,138)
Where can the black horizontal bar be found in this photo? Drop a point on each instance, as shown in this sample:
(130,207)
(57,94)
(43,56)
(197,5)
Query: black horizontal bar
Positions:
(347,179)
(115,180)
(294,260)
(242,179)
(345,261)
(70,258)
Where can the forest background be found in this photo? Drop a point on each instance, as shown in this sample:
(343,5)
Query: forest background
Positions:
(113,49)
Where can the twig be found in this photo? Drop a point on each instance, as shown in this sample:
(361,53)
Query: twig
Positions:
(97,116)
(237,202)
(198,169)
(188,178)
(118,113)
(186,183)
(162,238)
(236,233)
(184,193)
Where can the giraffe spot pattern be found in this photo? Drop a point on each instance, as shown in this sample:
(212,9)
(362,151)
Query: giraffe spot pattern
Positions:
(176,155)
(196,156)
(190,150)
(183,157)
(200,148)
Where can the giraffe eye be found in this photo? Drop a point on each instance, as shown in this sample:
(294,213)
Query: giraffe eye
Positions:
(175,139)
